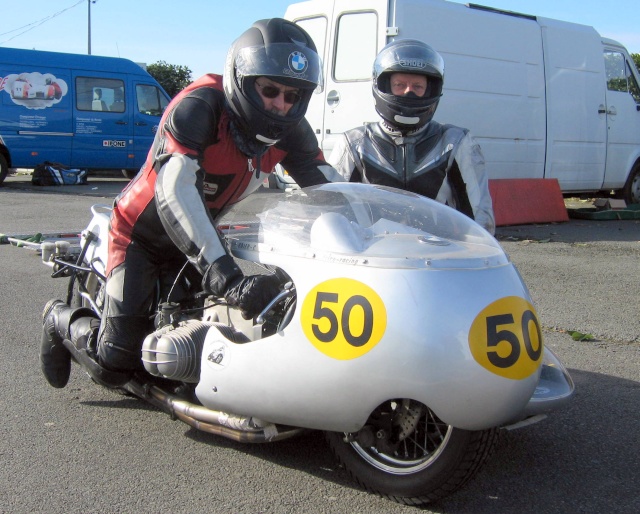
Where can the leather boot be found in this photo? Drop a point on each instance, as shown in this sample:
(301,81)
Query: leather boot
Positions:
(55,359)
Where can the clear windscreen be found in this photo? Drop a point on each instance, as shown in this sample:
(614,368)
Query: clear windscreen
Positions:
(384,226)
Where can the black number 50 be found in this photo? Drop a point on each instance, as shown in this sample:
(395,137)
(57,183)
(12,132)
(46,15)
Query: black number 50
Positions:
(496,336)
(323,311)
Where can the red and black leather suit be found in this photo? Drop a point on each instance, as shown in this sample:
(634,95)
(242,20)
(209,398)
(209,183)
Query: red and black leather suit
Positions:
(165,215)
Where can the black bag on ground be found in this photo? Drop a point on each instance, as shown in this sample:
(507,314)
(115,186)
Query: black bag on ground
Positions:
(56,174)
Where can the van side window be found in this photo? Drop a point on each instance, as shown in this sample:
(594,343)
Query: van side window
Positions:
(150,100)
(100,94)
(619,75)
(633,85)
(354,62)
(614,67)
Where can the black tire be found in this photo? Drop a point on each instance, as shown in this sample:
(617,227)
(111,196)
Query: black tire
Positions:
(4,168)
(429,463)
(92,285)
(630,193)
(129,173)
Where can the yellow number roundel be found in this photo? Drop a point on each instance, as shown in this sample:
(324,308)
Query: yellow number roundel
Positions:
(343,318)
(506,338)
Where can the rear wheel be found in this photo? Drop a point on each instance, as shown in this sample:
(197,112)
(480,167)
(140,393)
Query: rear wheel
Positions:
(129,173)
(407,454)
(4,168)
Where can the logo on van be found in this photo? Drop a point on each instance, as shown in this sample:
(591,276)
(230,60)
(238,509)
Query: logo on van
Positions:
(298,62)
(114,144)
(34,90)
(413,63)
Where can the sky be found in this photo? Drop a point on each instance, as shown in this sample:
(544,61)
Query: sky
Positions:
(199,32)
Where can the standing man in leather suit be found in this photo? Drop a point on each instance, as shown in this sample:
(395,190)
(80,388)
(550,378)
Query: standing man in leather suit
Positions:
(214,142)
(407,149)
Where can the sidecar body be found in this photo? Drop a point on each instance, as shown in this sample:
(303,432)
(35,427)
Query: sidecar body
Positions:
(398,297)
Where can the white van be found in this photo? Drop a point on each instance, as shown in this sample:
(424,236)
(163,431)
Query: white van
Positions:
(544,98)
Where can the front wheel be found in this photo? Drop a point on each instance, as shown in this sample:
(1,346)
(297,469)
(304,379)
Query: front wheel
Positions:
(407,454)
(87,283)
(631,191)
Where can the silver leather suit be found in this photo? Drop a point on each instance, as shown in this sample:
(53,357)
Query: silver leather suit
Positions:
(442,162)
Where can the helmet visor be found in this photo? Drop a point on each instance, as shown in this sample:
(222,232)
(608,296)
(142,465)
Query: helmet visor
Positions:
(287,63)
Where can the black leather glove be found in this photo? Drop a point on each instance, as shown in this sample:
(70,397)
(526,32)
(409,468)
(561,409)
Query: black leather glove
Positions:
(223,278)
(220,274)
(252,294)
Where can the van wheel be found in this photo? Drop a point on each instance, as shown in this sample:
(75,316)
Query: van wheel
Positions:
(631,191)
(129,173)
(4,168)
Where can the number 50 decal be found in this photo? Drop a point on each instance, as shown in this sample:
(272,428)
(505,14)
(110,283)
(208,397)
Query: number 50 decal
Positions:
(343,318)
(506,339)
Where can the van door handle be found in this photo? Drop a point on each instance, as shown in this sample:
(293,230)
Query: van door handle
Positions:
(141,124)
(121,122)
(333,98)
(602,110)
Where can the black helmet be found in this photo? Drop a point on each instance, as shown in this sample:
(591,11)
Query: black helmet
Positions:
(407,56)
(282,51)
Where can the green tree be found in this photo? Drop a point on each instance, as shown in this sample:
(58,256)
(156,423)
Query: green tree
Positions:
(172,77)
(636,60)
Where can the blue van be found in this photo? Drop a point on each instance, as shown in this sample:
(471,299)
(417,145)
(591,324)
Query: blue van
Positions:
(82,111)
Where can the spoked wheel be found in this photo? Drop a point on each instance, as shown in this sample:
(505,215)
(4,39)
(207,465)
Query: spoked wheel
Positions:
(407,454)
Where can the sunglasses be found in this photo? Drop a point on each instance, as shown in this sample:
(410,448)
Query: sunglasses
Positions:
(290,97)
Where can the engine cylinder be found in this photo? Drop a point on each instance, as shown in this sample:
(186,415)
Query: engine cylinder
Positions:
(174,353)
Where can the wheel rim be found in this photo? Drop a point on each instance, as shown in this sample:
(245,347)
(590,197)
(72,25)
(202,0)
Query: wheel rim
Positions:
(415,452)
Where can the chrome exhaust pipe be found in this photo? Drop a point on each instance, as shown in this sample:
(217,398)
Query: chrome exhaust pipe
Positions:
(243,429)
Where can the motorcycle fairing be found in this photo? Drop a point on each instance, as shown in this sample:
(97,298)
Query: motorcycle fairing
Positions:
(434,271)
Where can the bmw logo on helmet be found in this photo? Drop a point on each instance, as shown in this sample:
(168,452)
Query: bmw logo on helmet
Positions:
(298,62)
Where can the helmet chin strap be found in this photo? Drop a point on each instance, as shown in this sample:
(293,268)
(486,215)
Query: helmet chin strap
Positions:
(406,120)
(266,140)
(263,148)
(393,130)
